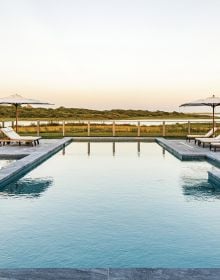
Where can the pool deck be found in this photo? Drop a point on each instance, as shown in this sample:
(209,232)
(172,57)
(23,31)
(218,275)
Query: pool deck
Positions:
(185,150)
(110,274)
(29,157)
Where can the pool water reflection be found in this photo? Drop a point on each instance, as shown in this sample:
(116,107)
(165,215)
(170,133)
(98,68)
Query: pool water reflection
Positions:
(27,187)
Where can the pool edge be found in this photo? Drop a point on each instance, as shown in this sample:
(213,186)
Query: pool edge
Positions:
(12,173)
(213,176)
(111,273)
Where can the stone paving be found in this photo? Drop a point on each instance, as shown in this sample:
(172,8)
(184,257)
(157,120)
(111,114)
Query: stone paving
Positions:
(185,150)
(110,274)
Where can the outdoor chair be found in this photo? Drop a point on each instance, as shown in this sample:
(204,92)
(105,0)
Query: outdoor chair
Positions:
(203,141)
(214,146)
(207,135)
(14,137)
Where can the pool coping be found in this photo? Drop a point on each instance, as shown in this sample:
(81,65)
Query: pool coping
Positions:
(27,162)
(113,139)
(194,154)
(111,274)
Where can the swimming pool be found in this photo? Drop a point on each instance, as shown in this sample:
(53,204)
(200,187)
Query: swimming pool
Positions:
(5,162)
(111,205)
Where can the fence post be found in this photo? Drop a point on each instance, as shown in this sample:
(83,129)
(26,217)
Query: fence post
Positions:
(38,128)
(3,124)
(189,128)
(164,128)
(63,128)
(12,124)
(88,128)
(139,129)
(113,129)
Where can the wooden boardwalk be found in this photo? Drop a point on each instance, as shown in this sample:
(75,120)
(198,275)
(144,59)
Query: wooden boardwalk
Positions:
(185,150)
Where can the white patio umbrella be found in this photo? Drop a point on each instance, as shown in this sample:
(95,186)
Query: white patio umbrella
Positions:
(17,100)
(210,101)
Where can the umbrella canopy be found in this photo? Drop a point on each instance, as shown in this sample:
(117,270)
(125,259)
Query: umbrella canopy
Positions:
(17,100)
(212,101)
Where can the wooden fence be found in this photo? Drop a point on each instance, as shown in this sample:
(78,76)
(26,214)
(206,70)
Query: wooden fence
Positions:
(151,128)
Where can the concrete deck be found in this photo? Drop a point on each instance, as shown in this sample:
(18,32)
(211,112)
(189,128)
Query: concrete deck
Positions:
(29,157)
(184,150)
(110,274)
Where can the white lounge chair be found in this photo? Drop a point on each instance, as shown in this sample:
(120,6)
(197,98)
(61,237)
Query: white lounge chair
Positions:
(204,141)
(13,137)
(207,135)
(214,146)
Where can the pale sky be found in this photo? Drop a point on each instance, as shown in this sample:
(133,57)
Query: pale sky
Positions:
(147,54)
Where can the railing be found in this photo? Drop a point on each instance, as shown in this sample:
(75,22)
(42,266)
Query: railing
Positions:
(136,128)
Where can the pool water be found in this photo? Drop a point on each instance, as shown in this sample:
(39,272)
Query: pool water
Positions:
(111,205)
(5,162)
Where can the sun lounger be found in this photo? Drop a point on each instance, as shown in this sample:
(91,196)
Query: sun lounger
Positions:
(204,141)
(194,136)
(13,137)
(214,146)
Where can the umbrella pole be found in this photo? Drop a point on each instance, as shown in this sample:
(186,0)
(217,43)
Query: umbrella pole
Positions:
(16,110)
(213,120)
